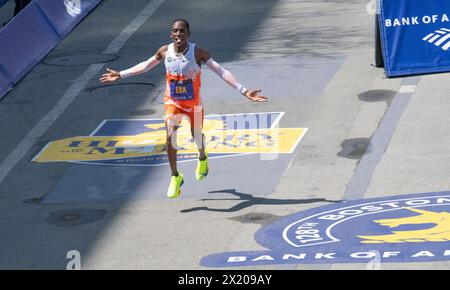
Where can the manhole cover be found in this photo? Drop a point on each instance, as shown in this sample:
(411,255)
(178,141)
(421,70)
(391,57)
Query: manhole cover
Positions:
(128,89)
(354,148)
(80,59)
(70,217)
(36,200)
(377,95)
(256,218)
(75,217)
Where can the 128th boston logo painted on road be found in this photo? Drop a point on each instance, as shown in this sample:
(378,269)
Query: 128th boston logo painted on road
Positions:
(408,228)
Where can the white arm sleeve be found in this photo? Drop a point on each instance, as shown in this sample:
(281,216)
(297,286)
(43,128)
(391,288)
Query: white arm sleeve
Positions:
(140,68)
(225,75)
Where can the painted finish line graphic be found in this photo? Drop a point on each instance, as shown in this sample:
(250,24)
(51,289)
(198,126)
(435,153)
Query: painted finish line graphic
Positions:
(405,228)
(142,142)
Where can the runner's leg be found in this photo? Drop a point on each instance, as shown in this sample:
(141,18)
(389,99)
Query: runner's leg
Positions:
(199,138)
(196,120)
(171,129)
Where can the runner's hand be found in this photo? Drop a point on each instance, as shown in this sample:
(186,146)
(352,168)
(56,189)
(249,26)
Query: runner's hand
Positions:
(110,76)
(254,96)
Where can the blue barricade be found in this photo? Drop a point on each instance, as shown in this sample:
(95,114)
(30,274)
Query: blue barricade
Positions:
(24,41)
(5,83)
(34,32)
(65,15)
(415,36)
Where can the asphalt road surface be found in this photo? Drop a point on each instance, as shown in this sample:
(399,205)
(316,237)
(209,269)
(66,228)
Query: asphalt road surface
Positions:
(367,136)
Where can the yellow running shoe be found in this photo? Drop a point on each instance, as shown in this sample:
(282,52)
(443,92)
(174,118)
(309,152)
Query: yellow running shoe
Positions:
(202,168)
(174,187)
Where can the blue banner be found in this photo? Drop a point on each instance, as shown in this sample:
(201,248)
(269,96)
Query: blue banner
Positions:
(415,36)
(64,15)
(24,41)
(34,32)
(5,83)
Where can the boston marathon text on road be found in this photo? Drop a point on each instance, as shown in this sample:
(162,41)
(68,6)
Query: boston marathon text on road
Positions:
(416,20)
(355,257)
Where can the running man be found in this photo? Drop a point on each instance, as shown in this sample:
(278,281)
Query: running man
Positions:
(182,96)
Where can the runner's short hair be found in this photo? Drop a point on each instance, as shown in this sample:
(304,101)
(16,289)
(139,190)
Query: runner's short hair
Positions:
(182,20)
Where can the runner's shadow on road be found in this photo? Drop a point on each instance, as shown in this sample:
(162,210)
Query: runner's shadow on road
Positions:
(250,200)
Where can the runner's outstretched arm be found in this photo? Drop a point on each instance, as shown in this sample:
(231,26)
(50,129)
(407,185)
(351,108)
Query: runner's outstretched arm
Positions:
(138,69)
(252,95)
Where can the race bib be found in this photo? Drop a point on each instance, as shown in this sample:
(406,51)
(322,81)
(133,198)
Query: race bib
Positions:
(181,90)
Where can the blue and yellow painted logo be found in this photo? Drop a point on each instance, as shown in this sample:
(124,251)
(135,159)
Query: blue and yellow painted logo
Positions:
(408,228)
(142,142)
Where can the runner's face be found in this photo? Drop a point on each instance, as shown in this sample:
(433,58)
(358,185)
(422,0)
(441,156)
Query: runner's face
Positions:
(179,34)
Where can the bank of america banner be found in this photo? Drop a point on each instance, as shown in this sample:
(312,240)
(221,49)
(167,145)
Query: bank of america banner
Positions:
(415,36)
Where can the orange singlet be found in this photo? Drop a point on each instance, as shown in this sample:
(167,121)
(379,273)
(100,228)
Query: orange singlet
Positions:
(182,96)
